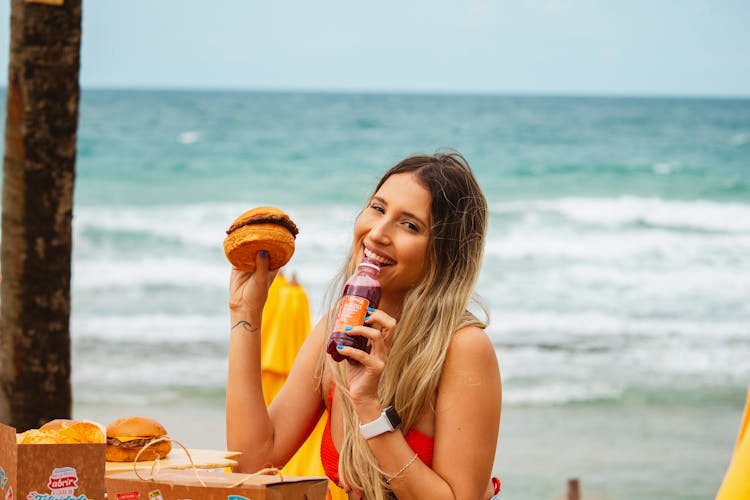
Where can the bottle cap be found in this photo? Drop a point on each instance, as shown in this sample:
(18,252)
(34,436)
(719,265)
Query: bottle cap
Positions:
(370,263)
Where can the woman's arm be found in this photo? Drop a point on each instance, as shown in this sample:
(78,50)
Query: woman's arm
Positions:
(467,414)
(265,437)
(467,422)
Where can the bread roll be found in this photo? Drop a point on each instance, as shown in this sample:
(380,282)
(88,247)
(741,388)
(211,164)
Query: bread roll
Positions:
(262,228)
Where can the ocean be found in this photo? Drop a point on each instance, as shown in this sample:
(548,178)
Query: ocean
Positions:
(616,273)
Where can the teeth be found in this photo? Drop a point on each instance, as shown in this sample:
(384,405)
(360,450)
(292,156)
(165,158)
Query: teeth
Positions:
(371,255)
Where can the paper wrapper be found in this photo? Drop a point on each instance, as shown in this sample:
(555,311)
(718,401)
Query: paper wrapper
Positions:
(49,471)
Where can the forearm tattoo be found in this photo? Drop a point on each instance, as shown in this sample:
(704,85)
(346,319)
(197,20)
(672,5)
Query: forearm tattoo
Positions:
(245,326)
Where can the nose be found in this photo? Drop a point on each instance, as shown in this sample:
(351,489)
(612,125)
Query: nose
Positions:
(380,232)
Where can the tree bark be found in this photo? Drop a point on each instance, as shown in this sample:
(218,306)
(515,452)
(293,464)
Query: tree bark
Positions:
(37,212)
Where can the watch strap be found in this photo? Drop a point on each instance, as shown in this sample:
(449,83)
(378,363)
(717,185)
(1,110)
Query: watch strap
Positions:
(388,421)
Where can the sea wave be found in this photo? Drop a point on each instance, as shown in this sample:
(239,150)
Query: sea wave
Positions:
(557,393)
(201,224)
(578,228)
(519,328)
(149,329)
(632,211)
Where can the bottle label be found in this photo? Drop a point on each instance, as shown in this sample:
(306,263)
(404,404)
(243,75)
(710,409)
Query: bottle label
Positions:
(352,312)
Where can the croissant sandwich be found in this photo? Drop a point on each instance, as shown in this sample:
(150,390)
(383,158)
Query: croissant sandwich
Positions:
(262,228)
(63,431)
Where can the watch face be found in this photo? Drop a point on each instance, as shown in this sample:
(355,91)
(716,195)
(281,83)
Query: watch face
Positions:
(392,416)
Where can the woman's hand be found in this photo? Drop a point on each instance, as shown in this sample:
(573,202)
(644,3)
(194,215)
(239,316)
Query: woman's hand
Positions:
(364,375)
(248,291)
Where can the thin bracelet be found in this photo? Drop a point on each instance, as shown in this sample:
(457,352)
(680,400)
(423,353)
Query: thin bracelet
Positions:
(388,480)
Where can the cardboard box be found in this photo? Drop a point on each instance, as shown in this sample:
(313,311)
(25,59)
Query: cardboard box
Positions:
(50,471)
(183,484)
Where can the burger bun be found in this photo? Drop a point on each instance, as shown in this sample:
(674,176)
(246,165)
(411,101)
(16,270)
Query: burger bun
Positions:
(261,228)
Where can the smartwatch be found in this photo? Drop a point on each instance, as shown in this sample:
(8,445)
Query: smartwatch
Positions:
(387,422)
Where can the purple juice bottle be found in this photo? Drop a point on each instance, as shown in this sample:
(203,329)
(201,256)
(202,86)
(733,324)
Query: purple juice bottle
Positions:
(362,290)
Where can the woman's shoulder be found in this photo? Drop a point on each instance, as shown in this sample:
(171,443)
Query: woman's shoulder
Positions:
(471,368)
(470,339)
(471,349)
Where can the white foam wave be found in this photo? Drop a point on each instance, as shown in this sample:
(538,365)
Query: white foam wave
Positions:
(149,328)
(665,168)
(164,270)
(607,212)
(560,393)
(205,224)
(688,287)
(189,137)
(154,376)
(569,327)
(522,243)
(739,139)
(705,361)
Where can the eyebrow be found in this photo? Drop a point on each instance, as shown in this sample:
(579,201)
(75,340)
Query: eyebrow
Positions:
(408,214)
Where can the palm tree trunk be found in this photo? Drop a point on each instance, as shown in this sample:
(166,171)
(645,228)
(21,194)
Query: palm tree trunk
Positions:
(37,211)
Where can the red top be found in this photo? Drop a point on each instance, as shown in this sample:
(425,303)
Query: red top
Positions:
(420,442)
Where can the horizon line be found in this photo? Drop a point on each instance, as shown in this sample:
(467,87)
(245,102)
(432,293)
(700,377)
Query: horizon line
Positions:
(404,92)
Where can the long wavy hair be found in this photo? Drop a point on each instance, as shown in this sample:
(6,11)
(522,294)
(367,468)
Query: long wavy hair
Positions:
(432,312)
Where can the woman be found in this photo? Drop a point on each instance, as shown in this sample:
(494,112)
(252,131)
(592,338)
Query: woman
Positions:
(430,359)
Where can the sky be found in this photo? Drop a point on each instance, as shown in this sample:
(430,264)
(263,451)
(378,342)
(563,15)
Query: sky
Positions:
(599,47)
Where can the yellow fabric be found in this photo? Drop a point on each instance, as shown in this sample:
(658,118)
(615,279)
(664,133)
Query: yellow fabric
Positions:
(289,324)
(736,484)
(271,309)
(336,493)
(286,323)
(272,383)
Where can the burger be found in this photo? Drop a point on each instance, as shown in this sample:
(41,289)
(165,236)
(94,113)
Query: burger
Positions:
(262,228)
(128,435)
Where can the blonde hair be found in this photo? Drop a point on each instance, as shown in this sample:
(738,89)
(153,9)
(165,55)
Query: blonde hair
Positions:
(432,311)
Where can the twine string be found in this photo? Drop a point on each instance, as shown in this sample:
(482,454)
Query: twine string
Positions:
(268,470)
(156,467)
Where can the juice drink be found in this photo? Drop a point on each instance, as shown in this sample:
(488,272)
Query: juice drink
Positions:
(362,290)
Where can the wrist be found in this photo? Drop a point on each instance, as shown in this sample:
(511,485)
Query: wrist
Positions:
(367,410)
(245,326)
(237,313)
(388,421)
(240,308)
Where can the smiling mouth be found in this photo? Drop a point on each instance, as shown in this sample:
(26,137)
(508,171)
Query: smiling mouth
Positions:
(382,260)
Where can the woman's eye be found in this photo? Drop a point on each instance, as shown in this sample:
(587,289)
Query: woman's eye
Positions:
(411,226)
(378,208)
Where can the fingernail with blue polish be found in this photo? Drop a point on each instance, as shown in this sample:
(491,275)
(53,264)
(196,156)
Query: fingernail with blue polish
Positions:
(263,254)
(367,317)
(347,328)
(339,347)
(370,310)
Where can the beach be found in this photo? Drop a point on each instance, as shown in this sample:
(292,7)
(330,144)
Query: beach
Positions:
(616,271)
(615,452)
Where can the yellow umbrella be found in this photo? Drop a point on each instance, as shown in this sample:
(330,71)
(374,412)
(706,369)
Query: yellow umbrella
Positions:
(273,378)
(736,484)
(286,323)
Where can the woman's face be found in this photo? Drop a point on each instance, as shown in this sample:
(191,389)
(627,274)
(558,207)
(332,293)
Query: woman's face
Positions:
(394,229)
